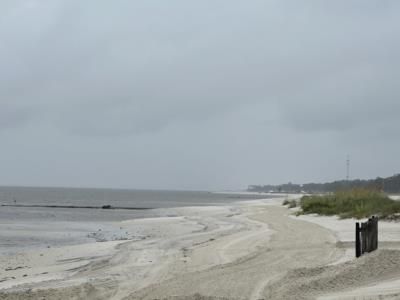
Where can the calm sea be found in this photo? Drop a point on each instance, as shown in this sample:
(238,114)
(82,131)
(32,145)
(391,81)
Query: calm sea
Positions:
(115,197)
(23,228)
(153,200)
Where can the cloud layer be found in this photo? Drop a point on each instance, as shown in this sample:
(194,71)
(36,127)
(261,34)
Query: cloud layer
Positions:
(261,91)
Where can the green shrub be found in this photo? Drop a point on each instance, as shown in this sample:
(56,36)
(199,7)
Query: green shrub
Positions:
(358,203)
(292,204)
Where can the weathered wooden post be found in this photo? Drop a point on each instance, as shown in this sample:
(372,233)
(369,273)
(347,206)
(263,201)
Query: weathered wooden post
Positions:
(366,236)
(374,230)
(376,233)
(358,244)
(372,235)
(368,244)
(363,237)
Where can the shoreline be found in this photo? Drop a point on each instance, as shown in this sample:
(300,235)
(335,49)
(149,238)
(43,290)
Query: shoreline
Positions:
(246,250)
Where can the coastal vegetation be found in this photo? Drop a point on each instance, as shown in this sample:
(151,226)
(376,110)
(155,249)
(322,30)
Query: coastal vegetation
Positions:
(358,203)
(290,203)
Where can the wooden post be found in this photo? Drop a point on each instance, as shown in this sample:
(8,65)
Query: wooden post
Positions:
(363,238)
(366,236)
(372,230)
(368,244)
(376,234)
(373,234)
(358,244)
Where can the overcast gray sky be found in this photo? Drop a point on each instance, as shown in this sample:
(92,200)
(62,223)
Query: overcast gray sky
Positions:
(197,94)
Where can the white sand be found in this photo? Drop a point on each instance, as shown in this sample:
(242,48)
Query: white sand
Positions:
(344,230)
(251,250)
(394,197)
(388,289)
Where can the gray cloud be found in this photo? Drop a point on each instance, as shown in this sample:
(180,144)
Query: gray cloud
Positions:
(226,79)
(12,117)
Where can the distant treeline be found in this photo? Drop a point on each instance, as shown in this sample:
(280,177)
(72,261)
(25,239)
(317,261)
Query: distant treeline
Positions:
(388,185)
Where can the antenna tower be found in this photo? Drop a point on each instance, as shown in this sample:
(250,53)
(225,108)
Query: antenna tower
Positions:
(348,168)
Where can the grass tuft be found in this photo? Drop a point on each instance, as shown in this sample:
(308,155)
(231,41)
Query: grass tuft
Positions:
(290,203)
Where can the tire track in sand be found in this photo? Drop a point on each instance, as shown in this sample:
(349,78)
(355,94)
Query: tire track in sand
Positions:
(294,244)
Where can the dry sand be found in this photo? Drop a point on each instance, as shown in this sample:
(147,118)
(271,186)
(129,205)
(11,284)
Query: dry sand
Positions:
(250,250)
(378,286)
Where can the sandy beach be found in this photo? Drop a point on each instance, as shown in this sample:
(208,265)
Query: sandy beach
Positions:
(247,250)
(147,148)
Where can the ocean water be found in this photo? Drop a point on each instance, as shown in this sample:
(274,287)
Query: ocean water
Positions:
(116,197)
(150,200)
(22,228)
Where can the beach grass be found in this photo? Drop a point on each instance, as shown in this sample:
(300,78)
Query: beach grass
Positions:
(354,203)
(290,203)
